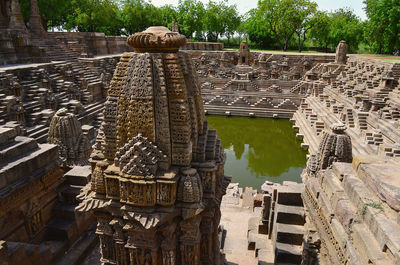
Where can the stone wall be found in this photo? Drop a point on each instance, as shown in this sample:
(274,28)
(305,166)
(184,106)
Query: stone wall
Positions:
(203,46)
(352,208)
(31,94)
(259,87)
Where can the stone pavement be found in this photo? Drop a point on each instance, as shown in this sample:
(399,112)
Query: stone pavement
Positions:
(235,221)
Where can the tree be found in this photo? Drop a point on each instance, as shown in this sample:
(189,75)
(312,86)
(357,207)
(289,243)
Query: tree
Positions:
(305,18)
(232,21)
(321,32)
(241,29)
(190,16)
(53,12)
(382,31)
(281,16)
(345,25)
(137,15)
(258,30)
(221,19)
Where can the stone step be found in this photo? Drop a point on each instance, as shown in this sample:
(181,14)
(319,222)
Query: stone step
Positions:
(69,193)
(61,229)
(80,249)
(287,214)
(65,210)
(21,145)
(287,254)
(289,234)
(78,175)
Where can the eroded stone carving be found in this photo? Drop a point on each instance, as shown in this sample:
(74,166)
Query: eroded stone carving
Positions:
(160,158)
(66,132)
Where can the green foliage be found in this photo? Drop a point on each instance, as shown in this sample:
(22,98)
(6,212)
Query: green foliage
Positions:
(375,205)
(274,24)
(190,16)
(94,16)
(258,31)
(221,18)
(382,30)
(341,24)
(283,19)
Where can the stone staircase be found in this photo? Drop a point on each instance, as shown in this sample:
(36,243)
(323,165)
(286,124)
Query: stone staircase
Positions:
(55,49)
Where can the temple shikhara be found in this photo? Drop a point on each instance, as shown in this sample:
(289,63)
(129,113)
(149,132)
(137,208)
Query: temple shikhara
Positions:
(158,169)
(109,153)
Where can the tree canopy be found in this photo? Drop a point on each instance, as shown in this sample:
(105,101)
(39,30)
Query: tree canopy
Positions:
(273,24)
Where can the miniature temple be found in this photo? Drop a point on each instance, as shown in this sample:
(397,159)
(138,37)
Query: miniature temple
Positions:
(66,131)
(158,169)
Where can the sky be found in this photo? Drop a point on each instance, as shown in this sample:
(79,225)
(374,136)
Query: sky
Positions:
(327,5)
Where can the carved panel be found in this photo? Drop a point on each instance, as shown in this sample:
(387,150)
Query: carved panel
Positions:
(138,193)
(112,187)
(166,192)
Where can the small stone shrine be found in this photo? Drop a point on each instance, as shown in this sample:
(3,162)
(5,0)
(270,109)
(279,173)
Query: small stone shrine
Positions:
(158,170)
(66,132)
(244,53)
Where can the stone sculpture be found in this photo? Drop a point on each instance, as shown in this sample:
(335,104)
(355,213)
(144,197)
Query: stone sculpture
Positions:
(334,147)
(244,53)
(341,53)
(66,132)
(175,26)
(157,193)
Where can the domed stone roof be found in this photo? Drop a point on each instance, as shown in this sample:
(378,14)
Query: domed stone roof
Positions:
(156,39)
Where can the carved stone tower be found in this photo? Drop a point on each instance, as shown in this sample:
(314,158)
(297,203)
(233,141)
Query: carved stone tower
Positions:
(341,53)
(158,170)
(244,53)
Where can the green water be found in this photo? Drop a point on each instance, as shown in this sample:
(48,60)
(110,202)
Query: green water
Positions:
(259,149)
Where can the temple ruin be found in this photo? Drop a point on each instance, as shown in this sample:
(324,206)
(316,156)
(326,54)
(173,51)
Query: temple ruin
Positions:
(156,193)
(107,156)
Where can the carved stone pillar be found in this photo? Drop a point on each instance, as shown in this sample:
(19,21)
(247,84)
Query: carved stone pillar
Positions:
(190,241)
(121,254)
(16,18)
(168,245)
(105,233)
(143,245)
(206,246)
(35,21)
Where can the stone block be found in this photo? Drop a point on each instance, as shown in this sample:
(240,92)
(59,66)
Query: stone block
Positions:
(286,214)
(7,135)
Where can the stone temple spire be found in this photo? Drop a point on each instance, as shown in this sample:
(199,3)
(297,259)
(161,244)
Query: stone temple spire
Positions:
(35,21)
(341,53)
(158,170)
(16,18)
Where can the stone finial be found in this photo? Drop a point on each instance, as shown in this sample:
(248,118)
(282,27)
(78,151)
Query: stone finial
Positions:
(175,27)
(156,39)
(334,147)
(341,53)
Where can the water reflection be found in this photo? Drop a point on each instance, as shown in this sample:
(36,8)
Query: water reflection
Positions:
(259,149)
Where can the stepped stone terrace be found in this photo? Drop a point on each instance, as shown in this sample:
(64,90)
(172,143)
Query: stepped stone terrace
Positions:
(88,154)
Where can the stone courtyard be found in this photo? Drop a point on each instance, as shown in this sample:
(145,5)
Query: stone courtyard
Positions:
(106,155)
